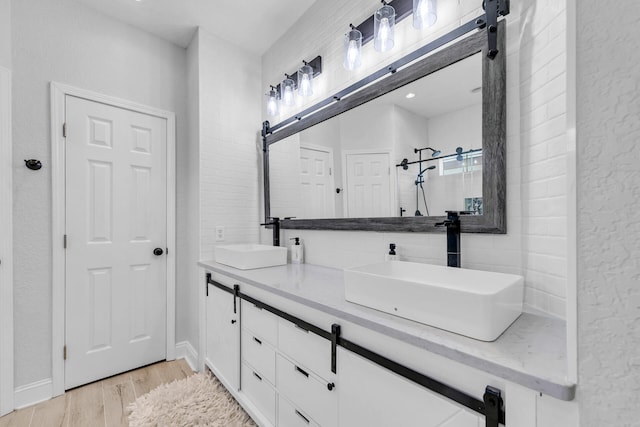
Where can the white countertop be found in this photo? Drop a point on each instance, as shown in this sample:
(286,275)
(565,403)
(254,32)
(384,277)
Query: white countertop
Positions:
(531,352)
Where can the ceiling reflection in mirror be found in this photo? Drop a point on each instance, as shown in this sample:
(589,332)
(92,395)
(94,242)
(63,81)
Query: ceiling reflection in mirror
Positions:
(416,151)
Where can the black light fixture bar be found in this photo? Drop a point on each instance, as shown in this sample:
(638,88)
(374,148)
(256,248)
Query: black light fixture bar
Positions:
(495,8)
(403,9)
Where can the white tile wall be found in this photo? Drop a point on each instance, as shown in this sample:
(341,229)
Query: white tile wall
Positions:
(536,189)
(229,163)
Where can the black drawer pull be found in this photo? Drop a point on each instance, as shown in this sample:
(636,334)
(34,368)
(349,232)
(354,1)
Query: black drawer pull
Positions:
(306,420)
(302,371)
(331,386)
(257,376)
(257,340)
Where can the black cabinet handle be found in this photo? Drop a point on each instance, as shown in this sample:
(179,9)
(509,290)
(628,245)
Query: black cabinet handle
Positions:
(302,371)
(233,322)
(306,420)
(257,376)
(331,386)
(257,340)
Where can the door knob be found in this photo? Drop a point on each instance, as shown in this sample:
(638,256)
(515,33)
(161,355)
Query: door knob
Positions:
(158,251)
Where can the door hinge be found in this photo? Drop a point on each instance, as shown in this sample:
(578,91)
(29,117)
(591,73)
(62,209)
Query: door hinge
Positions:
(64,352)
(64,130)
(64,243)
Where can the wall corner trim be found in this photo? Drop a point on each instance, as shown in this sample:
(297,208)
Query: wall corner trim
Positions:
(184,350)
(6,246)
(33,393)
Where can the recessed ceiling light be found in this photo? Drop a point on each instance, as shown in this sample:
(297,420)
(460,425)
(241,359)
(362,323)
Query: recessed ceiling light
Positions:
(410,95)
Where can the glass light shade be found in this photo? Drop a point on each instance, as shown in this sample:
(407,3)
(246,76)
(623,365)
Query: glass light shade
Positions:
(272,103)
(352,50)
(305,80)
(287,88)
(425,13)
(384,21)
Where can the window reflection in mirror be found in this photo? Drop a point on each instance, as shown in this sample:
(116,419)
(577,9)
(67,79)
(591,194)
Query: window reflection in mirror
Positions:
(350,166)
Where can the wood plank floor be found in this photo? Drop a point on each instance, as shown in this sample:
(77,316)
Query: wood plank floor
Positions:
(102,403)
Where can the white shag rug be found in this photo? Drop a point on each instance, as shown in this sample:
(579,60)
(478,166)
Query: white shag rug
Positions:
(198,400)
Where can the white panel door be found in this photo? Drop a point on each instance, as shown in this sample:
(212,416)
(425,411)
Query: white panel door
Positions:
(368,185)
(115,217)
(316,182)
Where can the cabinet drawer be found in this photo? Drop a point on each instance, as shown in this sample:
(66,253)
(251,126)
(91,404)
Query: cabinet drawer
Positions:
(260,322)
(308,392)
(290,416)
(305,347)
(260,355)
(260,392)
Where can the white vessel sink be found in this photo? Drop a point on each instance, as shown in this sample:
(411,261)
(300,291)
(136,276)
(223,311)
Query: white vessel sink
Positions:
(249,255)
(474,303)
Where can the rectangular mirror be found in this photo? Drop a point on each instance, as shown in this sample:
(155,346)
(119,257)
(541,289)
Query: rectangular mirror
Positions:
(400,152)
(393,156)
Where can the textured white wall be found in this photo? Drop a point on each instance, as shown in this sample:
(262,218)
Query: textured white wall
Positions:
(229,110)
(188,194)
(608,154)
(5,33)
(65,42)
(535,245)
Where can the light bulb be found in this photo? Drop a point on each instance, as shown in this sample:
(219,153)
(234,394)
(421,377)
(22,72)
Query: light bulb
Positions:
(353,55)
(383,23)
(272,104)
(288,96)
(305,80)
(425,13)
(286,92)
(383,32)
(305,86)
(352,49)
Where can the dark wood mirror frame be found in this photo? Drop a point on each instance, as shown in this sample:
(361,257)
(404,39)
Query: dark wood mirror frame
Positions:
(493,141)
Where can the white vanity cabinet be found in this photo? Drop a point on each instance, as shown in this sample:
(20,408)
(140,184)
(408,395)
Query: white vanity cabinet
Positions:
(274,354)
(371,395)
(222,352)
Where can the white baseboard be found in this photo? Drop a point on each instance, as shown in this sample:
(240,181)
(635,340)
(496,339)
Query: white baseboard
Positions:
(184,350)
(33,393)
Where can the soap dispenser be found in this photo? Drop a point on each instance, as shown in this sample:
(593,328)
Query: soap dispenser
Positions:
(297,251)
(392,256)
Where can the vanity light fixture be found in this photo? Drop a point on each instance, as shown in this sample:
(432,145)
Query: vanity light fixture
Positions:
(287,90)
(305,80)
(301,81)
(384,21)
(272,102)
(352,49)
(425,13)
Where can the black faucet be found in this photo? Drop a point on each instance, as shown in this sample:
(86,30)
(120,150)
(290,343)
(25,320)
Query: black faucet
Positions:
(453,238)
(275,222)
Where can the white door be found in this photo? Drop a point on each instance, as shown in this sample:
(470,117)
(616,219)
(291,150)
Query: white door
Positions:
(316,181)
(116,185)
(368,185)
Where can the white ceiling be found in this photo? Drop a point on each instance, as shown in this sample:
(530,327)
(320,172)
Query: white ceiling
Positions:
(252,24)
(444,91)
